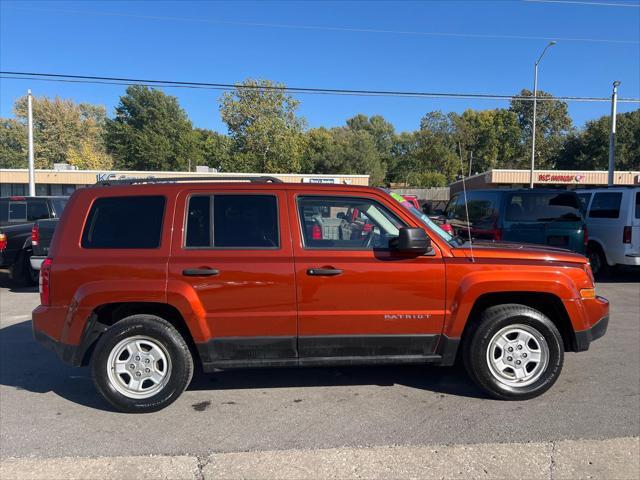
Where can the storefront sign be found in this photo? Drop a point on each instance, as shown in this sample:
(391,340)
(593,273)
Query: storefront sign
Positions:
(560,178)
(320,180)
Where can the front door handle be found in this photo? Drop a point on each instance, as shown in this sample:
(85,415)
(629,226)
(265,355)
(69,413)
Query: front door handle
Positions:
(324,272)
(200,272)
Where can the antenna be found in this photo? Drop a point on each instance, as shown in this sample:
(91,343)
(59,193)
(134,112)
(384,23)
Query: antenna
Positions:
(466,206)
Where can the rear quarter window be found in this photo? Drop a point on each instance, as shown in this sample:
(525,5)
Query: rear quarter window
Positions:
(124,222)
(606,205)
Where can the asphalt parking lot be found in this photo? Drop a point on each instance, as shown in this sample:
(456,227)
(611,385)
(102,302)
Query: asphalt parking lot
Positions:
(50,410)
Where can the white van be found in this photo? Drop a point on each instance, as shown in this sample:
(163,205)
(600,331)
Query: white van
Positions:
(613,223)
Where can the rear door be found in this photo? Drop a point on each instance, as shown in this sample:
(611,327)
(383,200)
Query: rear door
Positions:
(231,260)
(606,226)
(357,298)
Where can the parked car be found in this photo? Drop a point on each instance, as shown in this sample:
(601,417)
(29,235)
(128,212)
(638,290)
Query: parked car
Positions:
(539,216)
(41,236)
(145,278)
(613,219)
(17,215)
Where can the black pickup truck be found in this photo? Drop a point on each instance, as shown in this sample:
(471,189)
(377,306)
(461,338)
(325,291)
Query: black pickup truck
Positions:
(17,217)
(41,236)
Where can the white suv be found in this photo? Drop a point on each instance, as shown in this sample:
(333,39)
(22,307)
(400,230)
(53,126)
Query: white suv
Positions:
(613,223)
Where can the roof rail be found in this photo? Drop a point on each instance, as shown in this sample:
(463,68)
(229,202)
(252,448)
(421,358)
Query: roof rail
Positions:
(140,180)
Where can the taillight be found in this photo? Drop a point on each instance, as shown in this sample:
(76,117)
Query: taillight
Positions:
(45,281)
(3,241)
(35,235)
(316,233)
(626,234)
(586,236)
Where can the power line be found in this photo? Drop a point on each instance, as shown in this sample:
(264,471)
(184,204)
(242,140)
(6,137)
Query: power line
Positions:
(56,77)
(329,28)
(595,4)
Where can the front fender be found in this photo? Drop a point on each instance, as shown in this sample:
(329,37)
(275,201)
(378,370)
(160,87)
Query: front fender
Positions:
(476,284)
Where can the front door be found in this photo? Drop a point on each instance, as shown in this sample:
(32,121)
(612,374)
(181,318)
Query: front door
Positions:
(232,259)
(358,298)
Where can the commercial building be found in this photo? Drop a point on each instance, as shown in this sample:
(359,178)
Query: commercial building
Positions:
(500,178)
(64,181)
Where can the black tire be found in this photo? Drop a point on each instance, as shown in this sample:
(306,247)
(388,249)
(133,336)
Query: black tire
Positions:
(21,271)
(477,343)
(168,338)
(598,262)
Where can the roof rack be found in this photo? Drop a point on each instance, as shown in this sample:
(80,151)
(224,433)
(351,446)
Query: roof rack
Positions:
(140,180)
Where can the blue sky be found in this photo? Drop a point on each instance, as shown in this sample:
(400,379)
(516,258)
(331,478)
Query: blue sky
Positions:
(229,41)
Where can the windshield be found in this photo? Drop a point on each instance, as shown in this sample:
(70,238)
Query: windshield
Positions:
(424,219)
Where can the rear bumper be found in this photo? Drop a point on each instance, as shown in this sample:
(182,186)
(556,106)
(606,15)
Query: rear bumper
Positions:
(36,262)
(67,353)
(584,338)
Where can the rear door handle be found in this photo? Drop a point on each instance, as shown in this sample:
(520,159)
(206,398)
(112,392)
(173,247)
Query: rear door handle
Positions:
(324,272)
(200,272)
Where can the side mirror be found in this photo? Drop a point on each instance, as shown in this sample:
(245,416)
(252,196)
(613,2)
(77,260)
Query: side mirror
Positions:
(412,240)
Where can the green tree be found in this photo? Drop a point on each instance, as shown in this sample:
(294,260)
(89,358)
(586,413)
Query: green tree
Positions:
(150,131)
(553,125)
(267,134)
(213,150)
(343,150)
(589,149)
(62,126)
(494,137)
(13,144)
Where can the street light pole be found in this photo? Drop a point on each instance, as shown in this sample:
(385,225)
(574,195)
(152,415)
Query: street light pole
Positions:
(535,102)
(612,136)
(32,175)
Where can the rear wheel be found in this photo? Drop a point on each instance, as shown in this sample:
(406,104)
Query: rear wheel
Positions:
(141,364)
(514,352)
(598,262)
(21,270)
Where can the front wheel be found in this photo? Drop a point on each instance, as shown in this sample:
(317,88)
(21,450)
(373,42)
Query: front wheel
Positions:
(514,353)
(141,364)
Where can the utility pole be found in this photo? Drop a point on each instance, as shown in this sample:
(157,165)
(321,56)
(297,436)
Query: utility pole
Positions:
(612,135)
(535,101)
(32,174)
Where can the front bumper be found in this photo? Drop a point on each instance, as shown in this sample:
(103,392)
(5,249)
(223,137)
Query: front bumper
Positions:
(584,338)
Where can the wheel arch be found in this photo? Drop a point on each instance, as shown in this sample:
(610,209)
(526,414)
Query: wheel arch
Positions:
(547,303)
(107,315)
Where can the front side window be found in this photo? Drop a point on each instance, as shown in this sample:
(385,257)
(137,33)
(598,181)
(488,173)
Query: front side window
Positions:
(124,222)
(606,205)
(232,221)
(346,223)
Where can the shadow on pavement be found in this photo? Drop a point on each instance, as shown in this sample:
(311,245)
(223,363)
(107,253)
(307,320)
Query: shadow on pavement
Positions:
(26,365)
(12,285)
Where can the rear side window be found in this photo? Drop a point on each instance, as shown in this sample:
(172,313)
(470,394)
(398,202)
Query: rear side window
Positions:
(17,211)
(37,210)
(124,222)
(543,207)
(238,221)
(638,205)
(58,205)
(606,205)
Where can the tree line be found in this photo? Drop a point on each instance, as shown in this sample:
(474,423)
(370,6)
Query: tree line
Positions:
(150,131)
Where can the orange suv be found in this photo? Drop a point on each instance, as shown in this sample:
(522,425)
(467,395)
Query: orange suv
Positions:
(147,278)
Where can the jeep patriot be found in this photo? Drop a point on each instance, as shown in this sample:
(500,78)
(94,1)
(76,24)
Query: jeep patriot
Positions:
(146,279)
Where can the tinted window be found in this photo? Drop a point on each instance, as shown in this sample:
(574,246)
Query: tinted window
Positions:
(543,207)
(239,221)
(482,206)
(37,210)
(638,205)
(17,211)
(4,211)
(124,222)
(346,223)
(606,205)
